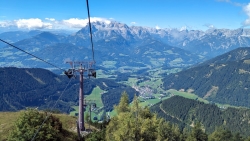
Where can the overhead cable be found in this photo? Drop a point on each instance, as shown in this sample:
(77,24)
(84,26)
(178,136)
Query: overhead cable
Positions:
(30,54)
(49,111)
(90,30)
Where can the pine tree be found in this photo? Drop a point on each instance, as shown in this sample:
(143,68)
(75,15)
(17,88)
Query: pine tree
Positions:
(87,117)
(221,134)
(167,132)
(197,134)
(238,137)
(123,104)
(248,139)
(184,134)
(135,123)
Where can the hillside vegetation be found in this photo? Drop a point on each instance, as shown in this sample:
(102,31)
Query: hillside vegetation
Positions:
(133,122)
(34,87)
(186,112)
(224,80)
(8,120)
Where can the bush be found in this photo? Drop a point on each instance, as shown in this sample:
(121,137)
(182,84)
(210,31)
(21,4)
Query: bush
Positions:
(30,121)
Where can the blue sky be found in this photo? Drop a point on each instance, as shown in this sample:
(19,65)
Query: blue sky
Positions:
(70,14)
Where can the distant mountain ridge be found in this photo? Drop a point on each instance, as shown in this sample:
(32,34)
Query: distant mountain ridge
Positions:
(15,36)
(212,42)
(115,41)
(112,42)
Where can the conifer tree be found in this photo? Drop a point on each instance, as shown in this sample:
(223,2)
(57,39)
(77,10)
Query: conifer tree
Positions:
(123,104)
(184,134)
(87,117)
(197,134)
(221,134)
(135,123)
(167,132)
(238,137)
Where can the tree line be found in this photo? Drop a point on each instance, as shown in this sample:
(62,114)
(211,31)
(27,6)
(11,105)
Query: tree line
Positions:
(184,112)
(136,123)
(226,83)
(132,123)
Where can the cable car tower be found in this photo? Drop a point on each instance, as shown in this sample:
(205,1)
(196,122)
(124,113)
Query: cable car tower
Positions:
(81,67)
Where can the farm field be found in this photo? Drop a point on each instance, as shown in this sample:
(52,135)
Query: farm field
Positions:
(152,82)
(94,97)
(193,96)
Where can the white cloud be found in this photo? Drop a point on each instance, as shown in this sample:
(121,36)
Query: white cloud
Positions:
(247,11)
(209,25)
(5,23)
(32,24)
(75,23)
(157,27)
(50,19)
(79,23)
(51,23)
(231,2)
(183,28)
(133,23)
(95,19)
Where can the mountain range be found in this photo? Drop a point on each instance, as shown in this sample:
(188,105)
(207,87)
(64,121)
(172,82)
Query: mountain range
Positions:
(118,47)
(129,46)
(211,42)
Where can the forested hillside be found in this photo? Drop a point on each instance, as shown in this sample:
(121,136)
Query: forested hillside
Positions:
(223,81)
(134,122)
(33,87)
(186,112)
(22,88)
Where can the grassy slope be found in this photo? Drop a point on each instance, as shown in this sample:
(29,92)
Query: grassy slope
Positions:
(193,96)
(187,95)
(95,97)
(7,120)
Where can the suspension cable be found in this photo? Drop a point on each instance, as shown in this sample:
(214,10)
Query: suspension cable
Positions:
(47,116)
(90,30)
(30,54)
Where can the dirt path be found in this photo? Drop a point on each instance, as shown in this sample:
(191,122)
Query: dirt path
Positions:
(168,114)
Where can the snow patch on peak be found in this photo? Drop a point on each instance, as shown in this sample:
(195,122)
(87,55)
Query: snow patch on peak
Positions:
(157,27)
(102,20)
(183,28)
